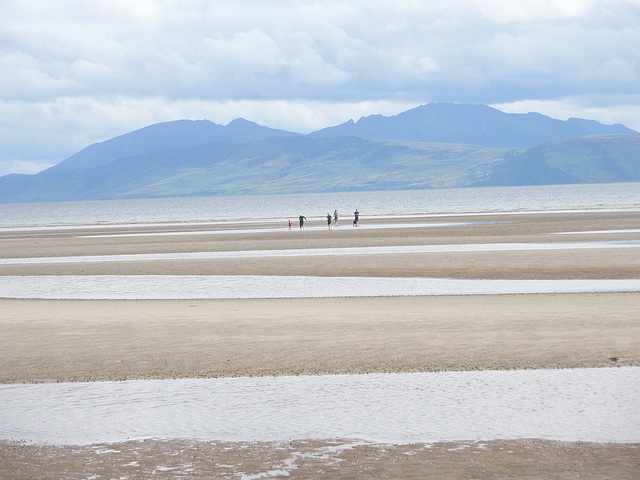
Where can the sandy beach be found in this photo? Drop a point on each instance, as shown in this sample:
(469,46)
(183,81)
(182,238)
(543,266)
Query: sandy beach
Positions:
(124,340)
(89,340)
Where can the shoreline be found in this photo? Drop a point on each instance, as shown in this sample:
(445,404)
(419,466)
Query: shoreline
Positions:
(345,219)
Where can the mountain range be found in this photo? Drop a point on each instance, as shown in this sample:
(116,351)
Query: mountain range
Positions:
(437,145)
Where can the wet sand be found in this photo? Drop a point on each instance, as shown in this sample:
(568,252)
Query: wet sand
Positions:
(49,341)
(344,459)
(54,340)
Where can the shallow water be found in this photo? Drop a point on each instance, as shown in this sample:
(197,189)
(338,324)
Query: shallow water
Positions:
(167,287)
(436,201)
(597,405)
(350,251)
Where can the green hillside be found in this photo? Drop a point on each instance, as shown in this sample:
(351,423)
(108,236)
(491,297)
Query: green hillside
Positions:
(301,164)
(594,159)
(431,146)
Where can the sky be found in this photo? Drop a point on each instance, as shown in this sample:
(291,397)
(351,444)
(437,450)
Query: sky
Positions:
(76,72)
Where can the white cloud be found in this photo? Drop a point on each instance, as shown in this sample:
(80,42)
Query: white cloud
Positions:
(252,51)
(618,71)
(505,11)
(73,71)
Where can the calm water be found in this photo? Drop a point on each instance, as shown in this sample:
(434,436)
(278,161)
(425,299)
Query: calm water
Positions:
(573,405)
(445,201)
(165,287)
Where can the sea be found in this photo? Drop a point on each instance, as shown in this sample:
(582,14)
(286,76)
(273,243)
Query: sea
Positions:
(613,196)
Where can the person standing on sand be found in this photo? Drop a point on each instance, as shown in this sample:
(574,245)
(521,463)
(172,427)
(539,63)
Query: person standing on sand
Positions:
(356,218)
(335,217)
(329,221)
(302,218)
(290,225)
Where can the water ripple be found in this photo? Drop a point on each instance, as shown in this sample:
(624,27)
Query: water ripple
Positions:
(573,405)
(258,286)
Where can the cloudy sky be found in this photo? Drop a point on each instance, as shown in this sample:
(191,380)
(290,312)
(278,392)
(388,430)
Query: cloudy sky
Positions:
(75,72)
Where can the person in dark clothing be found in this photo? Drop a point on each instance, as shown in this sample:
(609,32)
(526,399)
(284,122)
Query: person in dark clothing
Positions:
(302,218)
(356,218)
(329,221)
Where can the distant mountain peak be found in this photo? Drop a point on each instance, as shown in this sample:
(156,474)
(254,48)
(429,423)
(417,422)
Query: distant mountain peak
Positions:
(166,136)
(472,125)
(240,121)
(429,146)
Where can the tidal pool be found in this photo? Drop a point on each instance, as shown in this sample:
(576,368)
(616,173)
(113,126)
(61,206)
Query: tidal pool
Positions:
(167,287)
(595,405)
